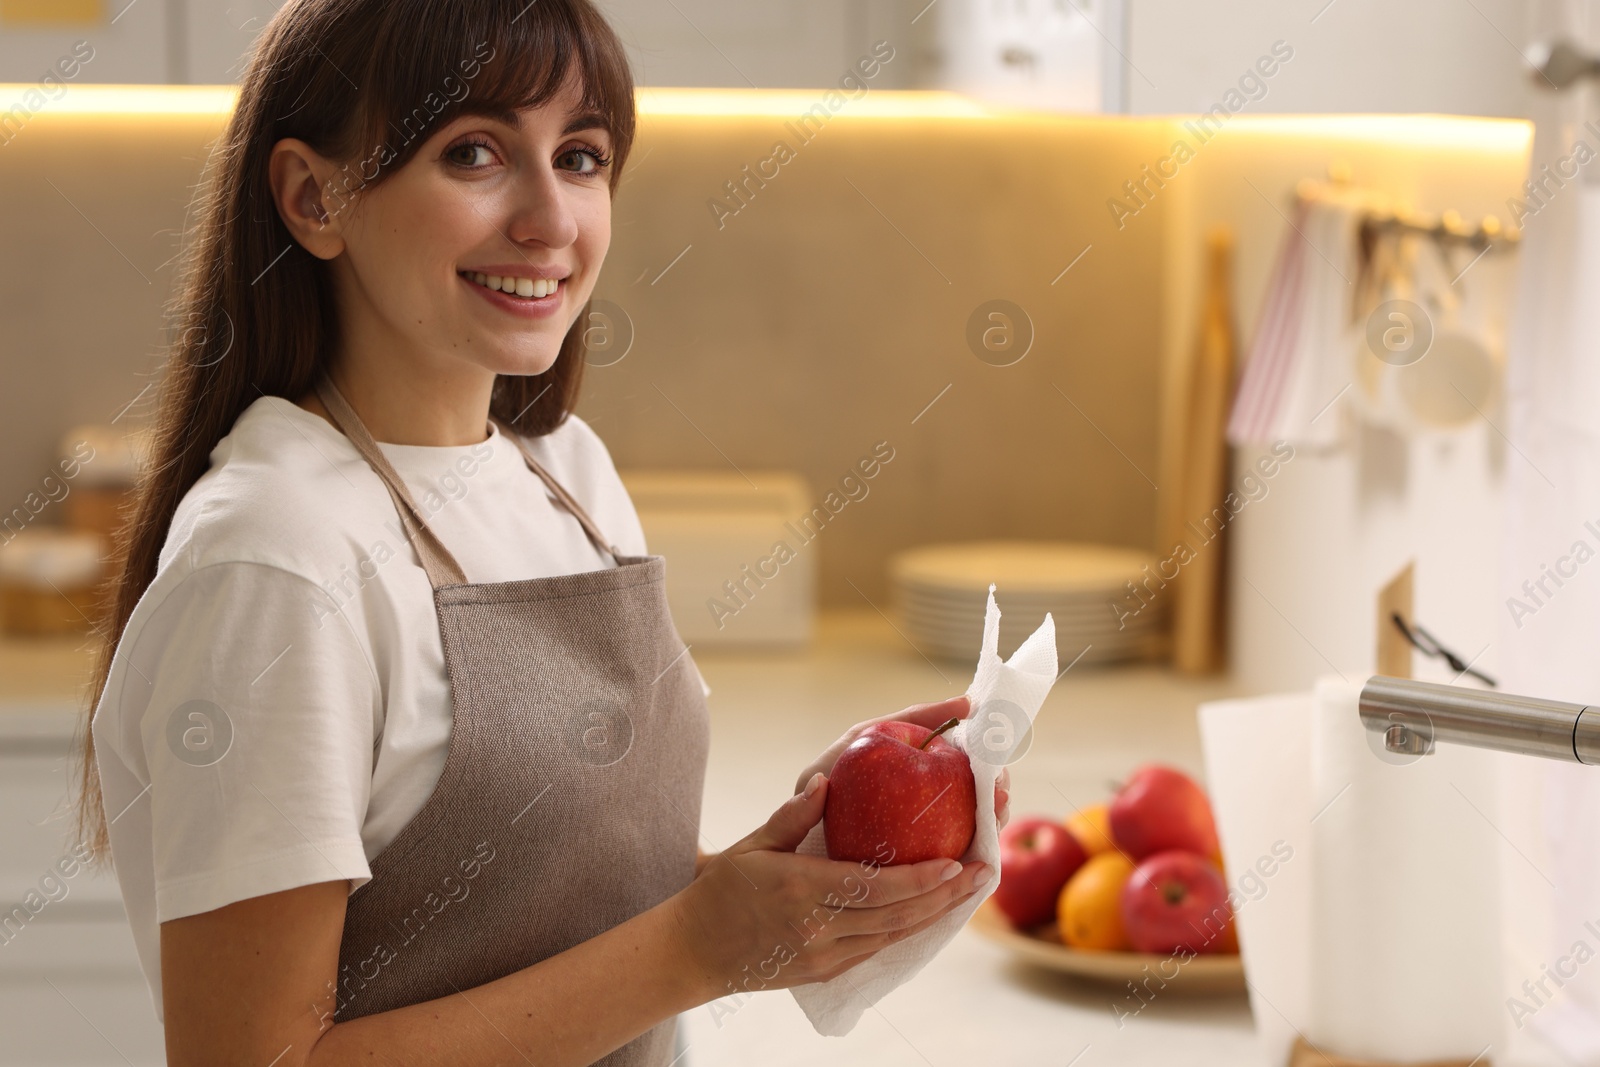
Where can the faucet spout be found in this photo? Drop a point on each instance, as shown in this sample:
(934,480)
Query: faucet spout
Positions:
(1406,740)
(1411,717)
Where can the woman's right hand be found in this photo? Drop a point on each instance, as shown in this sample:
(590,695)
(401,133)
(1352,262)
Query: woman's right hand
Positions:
(761,916)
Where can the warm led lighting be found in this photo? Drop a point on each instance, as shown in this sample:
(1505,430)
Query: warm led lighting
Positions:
(1429,131)
(1433,131)
(124,99)
(787,103)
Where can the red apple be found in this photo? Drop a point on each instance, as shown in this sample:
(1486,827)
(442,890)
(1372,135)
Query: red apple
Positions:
(1176,902)
(1037,856)
(1159,809)
(900,793)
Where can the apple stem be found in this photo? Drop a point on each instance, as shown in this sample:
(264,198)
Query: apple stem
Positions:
(942,728)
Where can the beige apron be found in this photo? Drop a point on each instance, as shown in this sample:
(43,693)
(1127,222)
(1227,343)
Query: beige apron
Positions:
(570,796)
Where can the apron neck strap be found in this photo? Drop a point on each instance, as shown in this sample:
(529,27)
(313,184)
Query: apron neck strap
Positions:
(566,498)
(440,565)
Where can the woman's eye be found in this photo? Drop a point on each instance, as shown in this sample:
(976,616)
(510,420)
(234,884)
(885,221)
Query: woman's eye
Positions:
(470,154)
(577,159)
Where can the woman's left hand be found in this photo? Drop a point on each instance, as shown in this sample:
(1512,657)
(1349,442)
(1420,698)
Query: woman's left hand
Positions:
(930,716)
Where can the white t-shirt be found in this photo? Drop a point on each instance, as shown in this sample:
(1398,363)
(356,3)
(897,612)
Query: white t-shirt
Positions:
(277,708)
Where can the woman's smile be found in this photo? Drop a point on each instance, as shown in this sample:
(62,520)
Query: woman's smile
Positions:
(527,291)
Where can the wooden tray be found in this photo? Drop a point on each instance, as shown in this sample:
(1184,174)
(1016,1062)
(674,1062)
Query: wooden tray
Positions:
(1221,973)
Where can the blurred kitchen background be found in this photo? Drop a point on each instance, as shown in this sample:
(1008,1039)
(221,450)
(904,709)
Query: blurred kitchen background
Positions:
(1079,282)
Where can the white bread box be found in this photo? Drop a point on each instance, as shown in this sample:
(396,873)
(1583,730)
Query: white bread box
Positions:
(741,570)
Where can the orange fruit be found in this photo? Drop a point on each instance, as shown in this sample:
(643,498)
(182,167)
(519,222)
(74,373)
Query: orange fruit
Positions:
(1089,909)
(1092,827)
(1228,940)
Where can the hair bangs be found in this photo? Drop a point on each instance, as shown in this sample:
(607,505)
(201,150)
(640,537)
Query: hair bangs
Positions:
(491,58)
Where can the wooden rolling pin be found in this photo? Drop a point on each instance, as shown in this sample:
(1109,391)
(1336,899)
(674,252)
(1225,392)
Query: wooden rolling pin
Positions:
(1198,629)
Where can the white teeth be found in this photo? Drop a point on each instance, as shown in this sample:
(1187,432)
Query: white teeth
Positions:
(535,288)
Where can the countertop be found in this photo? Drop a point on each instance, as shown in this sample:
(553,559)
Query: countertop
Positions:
(772,712)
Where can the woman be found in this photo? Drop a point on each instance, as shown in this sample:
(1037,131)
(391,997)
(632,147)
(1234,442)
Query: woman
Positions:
(397,753)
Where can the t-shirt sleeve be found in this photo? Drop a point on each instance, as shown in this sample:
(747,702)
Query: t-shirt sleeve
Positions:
(253,709)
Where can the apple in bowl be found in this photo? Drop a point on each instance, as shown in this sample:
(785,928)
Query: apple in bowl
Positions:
(1037,857)
(1176,902)
(1158,809)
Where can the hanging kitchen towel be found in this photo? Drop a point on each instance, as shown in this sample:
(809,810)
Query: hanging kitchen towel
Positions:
(1006,696)
(1260,387)
(1320,373)
(1306,334)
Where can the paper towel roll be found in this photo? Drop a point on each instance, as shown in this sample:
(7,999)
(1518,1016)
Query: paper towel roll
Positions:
(1404,898)
(1258,755)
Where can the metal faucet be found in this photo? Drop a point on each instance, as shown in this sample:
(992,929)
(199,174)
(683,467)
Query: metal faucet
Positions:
(1559,64)
(1410,717)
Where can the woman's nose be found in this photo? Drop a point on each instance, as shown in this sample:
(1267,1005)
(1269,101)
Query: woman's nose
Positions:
(540,211)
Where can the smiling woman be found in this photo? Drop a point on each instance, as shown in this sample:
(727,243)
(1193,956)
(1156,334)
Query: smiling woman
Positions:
(311,728)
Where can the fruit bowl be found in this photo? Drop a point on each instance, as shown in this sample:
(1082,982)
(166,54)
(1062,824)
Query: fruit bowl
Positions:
(1042,946)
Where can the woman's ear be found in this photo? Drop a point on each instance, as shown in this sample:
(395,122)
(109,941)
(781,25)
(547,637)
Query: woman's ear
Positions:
(300,177)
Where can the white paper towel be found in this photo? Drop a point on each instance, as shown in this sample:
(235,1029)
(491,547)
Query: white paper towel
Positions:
(1258,759)
(1005,696)
(1378,938)
(1405,932)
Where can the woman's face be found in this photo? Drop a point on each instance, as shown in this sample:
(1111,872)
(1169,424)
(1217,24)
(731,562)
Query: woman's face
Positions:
(486,244)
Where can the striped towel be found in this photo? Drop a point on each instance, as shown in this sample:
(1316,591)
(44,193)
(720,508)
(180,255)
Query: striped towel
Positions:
(1261,388)
(1300,357)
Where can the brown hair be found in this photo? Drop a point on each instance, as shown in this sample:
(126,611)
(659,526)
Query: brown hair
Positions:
(366,81)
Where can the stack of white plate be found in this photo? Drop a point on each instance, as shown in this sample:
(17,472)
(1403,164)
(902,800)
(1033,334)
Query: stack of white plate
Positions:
(940,592)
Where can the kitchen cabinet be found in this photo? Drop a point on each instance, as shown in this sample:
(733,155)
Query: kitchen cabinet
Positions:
(71,991)
(1144,57)
(1350,56)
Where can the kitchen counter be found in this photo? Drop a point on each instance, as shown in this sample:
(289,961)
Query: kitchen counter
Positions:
(771,713)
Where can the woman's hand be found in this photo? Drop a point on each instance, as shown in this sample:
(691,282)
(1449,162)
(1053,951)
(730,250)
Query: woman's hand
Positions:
(761,916)
(931,716)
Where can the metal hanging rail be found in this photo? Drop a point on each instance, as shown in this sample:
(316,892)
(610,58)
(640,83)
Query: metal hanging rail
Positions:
(1447,227)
